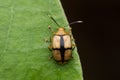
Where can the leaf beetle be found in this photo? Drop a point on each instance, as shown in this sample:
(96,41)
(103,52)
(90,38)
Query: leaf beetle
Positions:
(61,43)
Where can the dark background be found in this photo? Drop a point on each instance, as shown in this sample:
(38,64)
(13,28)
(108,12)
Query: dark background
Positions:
(97,38)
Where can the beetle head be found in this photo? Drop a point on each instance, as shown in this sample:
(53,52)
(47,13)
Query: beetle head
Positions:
(61,31)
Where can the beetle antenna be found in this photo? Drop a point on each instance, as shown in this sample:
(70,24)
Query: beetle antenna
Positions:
(75,22)
(54,20)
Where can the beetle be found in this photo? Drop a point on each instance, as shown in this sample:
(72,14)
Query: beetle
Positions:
(61,43)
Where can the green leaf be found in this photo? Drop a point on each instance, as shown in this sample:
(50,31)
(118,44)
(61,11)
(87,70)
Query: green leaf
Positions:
(24,55)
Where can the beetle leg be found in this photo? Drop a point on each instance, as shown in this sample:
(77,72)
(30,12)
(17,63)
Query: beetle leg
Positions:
(73,46)
(50,48)
(50,57)
(47,40)
(49,27)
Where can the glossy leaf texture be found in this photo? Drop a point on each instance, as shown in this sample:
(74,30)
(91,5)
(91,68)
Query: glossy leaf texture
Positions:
(24,54)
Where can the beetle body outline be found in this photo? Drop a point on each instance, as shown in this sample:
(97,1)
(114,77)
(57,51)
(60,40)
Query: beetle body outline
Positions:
(62,43)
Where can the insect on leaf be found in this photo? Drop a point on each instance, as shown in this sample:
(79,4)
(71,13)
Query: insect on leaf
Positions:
(24,55)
